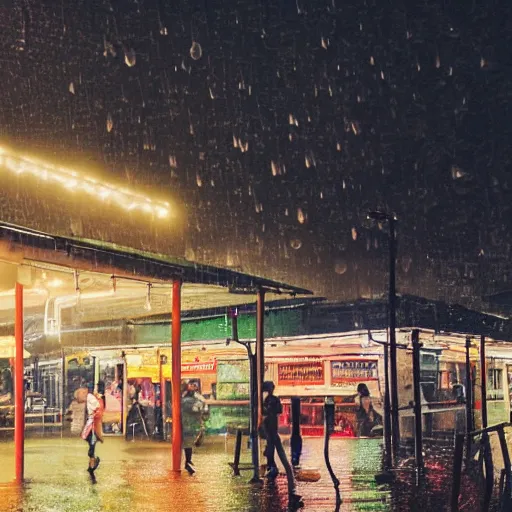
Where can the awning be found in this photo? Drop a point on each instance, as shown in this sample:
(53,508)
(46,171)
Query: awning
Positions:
(22,245)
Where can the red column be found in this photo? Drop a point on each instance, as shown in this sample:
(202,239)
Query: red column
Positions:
(19,391)
(177,434)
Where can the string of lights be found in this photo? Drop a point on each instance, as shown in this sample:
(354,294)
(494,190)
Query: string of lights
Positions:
(74,181)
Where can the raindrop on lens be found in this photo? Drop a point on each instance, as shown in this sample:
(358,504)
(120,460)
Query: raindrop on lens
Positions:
(354,234)
(340,267)
(196,52)
(296,244)
(110,123)
(130,58)
(301,217)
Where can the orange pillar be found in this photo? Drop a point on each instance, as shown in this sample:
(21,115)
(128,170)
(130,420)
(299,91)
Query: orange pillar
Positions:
(177,434)
(19,391)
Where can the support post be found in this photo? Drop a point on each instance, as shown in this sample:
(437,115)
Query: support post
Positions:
(469,399)
(124,402)
(483,381)
(163,396)
(19,388)
(260,349)
(418,427)
(395,420)
(177,434)
(388,459)
(255,445)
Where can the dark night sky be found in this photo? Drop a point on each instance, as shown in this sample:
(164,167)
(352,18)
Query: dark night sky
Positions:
(281,123)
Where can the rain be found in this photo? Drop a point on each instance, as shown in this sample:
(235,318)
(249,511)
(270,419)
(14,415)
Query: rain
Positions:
(257,137)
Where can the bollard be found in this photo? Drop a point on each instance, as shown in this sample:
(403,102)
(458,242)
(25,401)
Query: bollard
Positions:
(328,429)
(296,439)
(457,469)
(238,449)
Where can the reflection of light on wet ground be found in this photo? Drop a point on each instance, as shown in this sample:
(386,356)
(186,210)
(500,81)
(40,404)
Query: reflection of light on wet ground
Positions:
(138,477)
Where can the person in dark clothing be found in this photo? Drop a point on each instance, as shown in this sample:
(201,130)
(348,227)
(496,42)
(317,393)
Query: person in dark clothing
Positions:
(192,408)
(272,408)
(367,418)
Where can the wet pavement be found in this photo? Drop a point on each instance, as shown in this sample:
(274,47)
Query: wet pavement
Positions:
(137,476)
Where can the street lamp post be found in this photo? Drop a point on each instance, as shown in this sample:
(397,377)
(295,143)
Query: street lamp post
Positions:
(395,423)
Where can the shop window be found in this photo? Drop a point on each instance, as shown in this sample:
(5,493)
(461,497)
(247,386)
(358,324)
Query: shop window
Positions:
(494,384)
(445,380)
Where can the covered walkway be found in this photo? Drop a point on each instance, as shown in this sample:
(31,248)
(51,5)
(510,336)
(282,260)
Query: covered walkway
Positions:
(72,281)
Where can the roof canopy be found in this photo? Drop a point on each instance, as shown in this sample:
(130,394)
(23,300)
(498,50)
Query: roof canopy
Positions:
(21,245)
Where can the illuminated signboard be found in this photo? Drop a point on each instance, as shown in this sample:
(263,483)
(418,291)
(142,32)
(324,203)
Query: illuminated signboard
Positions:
(353,370)
(291,374)
(206,367)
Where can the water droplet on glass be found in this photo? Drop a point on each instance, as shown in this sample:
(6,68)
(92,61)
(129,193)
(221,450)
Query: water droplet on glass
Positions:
(457,172)
(173,162)
(196,52)
(338,146)
(438,61)
(406,264)
(340,267)
(163,31)
(71,88)
(274,167)
(130,58)
(296,244)
(301,216)
(354,234)
(199,181)
(372,61)
(324,43)
(110,123)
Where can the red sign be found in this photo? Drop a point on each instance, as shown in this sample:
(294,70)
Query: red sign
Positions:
(296,374)
(206,367)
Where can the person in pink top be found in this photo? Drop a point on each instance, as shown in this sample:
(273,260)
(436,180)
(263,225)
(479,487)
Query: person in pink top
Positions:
(92,432)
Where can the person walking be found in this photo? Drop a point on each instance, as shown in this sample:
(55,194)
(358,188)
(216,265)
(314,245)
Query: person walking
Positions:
(272,408)
(192,409)
(92,431)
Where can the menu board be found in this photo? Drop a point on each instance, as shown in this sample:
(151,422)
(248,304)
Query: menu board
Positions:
(233,380)
(353,370)
(233,371)
(307,372)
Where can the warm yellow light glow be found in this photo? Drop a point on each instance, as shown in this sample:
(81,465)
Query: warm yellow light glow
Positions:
(74,181)
(55,283)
